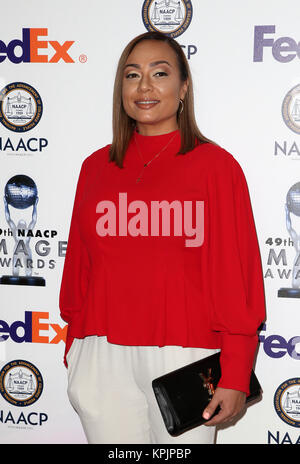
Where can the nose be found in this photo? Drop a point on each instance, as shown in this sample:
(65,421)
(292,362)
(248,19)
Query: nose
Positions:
(145,84)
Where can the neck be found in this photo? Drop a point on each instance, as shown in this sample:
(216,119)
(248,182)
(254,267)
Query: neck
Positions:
(151,129)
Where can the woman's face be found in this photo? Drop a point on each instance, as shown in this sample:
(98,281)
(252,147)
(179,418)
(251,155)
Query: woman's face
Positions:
(152,87)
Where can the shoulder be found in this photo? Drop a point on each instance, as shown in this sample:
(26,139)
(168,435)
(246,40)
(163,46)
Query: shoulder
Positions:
(214,153)
(218,159)
(97,157)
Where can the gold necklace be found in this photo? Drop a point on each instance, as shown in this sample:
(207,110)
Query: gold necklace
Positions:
(138,179)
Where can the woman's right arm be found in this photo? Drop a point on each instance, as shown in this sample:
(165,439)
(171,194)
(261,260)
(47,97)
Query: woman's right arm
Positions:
(76,267)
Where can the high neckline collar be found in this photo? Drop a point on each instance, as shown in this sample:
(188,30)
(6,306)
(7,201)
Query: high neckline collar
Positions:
(153,138)
(150,145)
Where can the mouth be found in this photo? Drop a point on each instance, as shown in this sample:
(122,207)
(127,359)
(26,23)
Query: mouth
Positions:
(146,104)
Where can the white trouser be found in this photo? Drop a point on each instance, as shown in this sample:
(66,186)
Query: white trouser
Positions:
(110,388)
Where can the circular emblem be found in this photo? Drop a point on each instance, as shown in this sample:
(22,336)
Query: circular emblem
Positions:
(21,383)
(21,107)
(287,401)
(171,17)
(291,109)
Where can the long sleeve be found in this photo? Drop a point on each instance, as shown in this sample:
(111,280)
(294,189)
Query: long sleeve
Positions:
(236,279)
(76,267)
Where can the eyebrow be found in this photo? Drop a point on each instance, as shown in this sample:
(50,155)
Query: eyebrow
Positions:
(154,63)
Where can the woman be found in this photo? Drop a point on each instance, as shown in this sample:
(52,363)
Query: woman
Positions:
(146,290)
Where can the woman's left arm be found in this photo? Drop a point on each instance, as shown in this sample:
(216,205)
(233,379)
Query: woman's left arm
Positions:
(236,283)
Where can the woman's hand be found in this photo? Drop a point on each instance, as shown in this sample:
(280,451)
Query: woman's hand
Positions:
(231,403)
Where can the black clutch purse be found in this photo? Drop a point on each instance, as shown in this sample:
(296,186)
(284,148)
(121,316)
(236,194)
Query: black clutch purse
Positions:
(183,394)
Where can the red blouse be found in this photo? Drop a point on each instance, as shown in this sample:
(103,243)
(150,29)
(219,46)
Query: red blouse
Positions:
(170,260)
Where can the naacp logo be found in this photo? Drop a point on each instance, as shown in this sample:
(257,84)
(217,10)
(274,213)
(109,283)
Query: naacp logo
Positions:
(291,109)
(287,401)
(21,383)
(172,17)
(21,107)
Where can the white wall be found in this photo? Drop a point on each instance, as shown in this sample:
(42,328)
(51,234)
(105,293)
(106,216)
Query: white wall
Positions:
(238,104)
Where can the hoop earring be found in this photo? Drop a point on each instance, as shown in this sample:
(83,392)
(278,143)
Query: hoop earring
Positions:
(182,106)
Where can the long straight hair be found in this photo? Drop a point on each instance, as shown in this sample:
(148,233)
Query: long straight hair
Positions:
(124,125)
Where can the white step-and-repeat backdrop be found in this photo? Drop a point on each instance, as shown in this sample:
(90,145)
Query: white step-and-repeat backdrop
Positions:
(57,65)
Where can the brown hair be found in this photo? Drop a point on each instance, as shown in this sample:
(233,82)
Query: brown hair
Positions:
(124,125)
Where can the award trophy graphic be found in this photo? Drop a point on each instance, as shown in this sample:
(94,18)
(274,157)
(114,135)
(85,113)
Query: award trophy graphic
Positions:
(293,206)
(21,193)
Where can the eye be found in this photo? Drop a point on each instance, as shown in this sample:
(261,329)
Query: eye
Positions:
(161,73)
(131,75)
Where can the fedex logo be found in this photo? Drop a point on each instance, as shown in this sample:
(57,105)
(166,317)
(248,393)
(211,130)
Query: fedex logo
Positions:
(277,346)
(34,329)
(284,49)
(32,43)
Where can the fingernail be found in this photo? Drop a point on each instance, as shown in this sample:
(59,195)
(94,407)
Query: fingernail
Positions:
(206,415)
